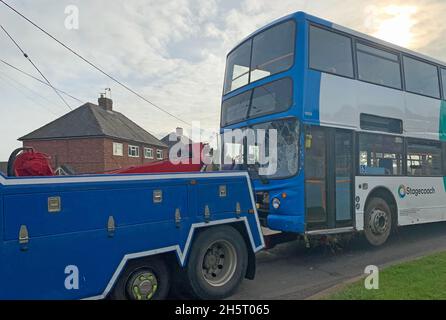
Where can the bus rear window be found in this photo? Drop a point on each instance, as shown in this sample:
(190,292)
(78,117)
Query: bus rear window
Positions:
(274,97)
(268,53)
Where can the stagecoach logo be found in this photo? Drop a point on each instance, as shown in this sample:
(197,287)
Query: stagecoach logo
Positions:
(404,191)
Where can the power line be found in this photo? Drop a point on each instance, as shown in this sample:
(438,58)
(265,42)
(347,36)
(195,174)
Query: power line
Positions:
(17,86)
(37,79)
(38,70)
(94,66)
(27,88)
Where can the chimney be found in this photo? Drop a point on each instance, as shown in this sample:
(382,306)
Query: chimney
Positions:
(179,132)
(105,103)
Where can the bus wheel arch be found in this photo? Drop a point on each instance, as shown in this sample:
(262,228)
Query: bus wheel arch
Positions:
(380,215)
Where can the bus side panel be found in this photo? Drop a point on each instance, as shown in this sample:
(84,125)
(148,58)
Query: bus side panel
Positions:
(344,110)
(290,216)
(419,199)
(443,123)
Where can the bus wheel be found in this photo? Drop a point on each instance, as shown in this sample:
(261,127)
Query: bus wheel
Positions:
(143,280)
(217,263)
(377,221)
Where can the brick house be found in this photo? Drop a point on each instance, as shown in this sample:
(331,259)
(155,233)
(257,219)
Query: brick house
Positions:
(175,137)
(4,168)
(95,139)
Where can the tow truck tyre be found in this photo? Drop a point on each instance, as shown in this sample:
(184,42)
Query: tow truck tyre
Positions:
(377,221)
(217,263)
(143,280)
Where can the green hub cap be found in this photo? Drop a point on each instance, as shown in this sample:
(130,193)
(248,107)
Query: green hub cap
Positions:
(143,285)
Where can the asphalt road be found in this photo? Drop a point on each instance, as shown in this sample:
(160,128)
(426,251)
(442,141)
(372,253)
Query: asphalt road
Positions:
(290,271)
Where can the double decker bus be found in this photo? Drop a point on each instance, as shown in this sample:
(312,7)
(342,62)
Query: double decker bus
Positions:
(360,123)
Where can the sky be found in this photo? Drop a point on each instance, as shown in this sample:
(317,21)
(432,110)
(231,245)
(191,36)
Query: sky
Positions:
(171,51)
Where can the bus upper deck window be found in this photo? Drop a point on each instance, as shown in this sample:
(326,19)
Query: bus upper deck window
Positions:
(237,67)
(330,52)
(421,77)
(273,50)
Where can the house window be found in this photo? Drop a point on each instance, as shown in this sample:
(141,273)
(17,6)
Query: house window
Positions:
(118,149)
(133,151)
(159,154)
(148,153)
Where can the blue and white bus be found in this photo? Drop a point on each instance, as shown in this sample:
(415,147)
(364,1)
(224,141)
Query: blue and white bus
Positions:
(361,128)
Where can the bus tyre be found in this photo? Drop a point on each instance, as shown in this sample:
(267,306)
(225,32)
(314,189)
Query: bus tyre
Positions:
(377,221)
(143,280)
(217,263)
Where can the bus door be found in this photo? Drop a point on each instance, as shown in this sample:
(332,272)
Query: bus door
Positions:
(329,174)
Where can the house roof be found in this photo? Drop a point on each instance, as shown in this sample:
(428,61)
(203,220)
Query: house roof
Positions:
(4,168)
(90,120)
(166,139)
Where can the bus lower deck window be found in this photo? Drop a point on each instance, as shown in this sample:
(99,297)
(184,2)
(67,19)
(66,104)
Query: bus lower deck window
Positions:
(380,155)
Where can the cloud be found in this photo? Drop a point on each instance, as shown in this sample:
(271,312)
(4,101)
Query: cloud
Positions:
(172,51)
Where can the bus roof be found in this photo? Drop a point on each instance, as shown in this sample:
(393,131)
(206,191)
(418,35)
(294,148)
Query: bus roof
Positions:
(300,15)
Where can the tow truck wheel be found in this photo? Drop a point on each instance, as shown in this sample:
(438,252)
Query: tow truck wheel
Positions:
(143,280)
(377,221)
(217,263)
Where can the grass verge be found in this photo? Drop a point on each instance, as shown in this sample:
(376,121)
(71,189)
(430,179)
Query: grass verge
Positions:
(424,278)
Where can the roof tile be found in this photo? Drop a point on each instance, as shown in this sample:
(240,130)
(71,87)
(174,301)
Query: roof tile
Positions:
(90,120)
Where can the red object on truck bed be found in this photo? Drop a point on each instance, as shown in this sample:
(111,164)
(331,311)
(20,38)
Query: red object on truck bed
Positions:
(160,166)
(25,162)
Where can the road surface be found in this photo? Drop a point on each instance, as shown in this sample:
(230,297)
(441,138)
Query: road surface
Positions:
(290,271)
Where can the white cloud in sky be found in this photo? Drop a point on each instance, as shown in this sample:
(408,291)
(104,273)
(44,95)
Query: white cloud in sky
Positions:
(172,51)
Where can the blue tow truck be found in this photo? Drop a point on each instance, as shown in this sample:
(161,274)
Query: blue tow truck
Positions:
(127,236)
